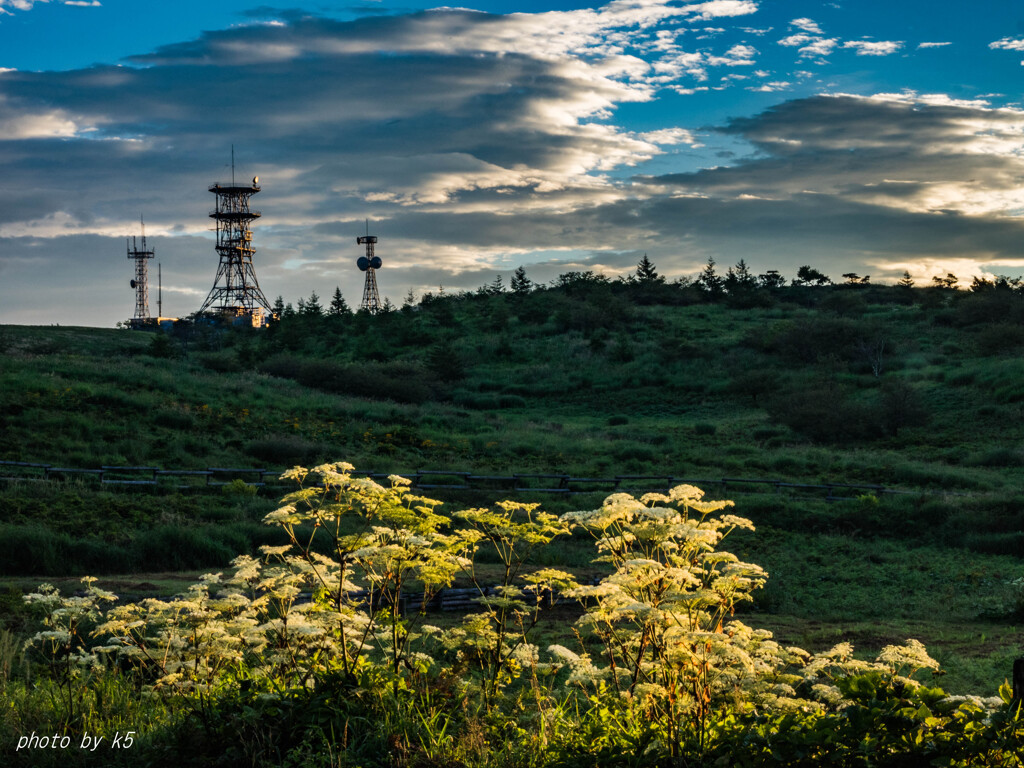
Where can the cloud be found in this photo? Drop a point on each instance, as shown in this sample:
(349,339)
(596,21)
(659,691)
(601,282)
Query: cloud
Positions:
(921,154)
(821,47)
(795,40)
(721,9)
(770,87)
(810,45)
(736,56)
(1008,44)
(812,42)
(807,25)
(925,175)
(874,47)
(27,5)
(670,136)
(933,45)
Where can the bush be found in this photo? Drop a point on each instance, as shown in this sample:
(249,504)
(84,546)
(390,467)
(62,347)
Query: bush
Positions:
(284,450)
(401,382)
(173,547)
(826,413)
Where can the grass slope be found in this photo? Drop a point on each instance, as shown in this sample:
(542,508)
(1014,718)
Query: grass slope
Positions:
(919,389)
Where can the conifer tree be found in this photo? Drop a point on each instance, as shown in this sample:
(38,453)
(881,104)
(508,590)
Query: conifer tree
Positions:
(338,304)
(906,281)
(739,278)
(646,273)
(312,307)
(709,281)
(521,284)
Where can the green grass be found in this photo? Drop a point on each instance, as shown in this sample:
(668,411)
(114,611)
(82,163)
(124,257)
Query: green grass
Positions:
(592,383)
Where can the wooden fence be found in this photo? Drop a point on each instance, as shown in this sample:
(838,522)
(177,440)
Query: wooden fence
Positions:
(438,480)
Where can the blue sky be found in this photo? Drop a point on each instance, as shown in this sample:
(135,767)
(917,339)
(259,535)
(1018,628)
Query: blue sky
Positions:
(853,136)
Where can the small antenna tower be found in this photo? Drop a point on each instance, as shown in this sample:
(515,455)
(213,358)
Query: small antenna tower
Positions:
(236,292)
(369,264)
(142,255)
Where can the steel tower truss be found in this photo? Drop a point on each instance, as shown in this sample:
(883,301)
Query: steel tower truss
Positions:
(371,299)
(141,282)
(235,288)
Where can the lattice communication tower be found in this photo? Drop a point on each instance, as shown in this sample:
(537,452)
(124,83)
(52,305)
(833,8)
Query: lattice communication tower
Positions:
(369,264)
(236,292)
(142,255)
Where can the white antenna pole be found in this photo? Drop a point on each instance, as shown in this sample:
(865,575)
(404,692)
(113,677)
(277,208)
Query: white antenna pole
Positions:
(159,291)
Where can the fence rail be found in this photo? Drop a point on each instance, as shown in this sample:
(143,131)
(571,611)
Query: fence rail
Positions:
(436,480)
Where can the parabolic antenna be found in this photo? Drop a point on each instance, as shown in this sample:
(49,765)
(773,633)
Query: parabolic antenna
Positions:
(255,180)
(363,263)
(134,284)
(375,262)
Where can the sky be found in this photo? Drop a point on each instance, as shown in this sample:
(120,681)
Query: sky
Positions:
(852,136)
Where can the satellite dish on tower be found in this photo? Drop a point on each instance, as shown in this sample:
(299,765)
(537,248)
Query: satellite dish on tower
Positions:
(369,264)
(255,180)
(133,284)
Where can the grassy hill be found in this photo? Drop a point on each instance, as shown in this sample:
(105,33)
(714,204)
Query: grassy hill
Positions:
(915,389)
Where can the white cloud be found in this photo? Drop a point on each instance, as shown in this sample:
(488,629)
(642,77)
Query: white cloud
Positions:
(27,5)
(795,40)
(715,9)
(820,48)
(1008,44)
(933,45)
(810,45)
(874,47)
(671,136)
(770,87)
(807,25)
(737,56)
(17,124)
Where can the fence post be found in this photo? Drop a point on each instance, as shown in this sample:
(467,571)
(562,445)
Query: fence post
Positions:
(1018,686)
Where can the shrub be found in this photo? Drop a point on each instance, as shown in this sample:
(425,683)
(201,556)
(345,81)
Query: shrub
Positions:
(401,382)
(283,449)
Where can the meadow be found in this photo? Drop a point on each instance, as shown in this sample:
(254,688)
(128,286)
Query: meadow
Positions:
(915,389)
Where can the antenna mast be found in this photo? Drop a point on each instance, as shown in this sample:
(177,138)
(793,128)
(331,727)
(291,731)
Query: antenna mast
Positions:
(369,264)
(141,255)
